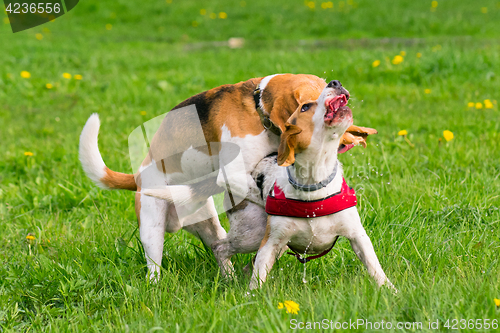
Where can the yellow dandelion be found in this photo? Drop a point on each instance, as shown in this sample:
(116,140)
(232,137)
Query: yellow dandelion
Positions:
(203,11)
(143,113)
(66,76)
(448,135)
(427,91)
(479,105)
(49,86)
(25,74)
(223,15)
(376,63)
(78,77)
(470,104)
(397,60)
(488,104)
(28,153)
(402,53)
(311,4)
(109,26)
(291,307)
(403,132)
(169,1)
(484,10)
(213,16)
(419,55)
(326,5)
(497,302)
(39,36)
(434,4)
(30,237)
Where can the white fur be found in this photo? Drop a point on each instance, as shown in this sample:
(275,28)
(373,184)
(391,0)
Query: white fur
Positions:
(179,194)
(90,157)
(152,228)
(253,148)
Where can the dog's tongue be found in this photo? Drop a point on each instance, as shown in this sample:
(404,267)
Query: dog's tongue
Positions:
(344,148)
(337,102)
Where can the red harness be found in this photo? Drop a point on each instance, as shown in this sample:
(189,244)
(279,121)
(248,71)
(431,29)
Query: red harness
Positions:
(280,205)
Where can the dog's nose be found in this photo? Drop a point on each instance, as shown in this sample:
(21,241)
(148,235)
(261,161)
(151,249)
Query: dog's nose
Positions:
(334,84)
(339,90)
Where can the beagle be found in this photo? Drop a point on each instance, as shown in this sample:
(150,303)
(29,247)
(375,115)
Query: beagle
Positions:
(307,199)
(212,141)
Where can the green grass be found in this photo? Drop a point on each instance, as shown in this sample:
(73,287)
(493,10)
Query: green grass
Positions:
(431,210)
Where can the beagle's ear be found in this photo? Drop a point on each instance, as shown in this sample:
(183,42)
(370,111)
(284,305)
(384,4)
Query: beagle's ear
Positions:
(288,142)
(361,131)
(356,135)
(280,112)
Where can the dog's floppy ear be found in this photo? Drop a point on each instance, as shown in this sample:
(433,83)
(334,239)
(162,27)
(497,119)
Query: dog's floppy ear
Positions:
(288,142)
(357,135)
(280,112)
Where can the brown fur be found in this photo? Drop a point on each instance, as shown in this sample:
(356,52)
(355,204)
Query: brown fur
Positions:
(118,180)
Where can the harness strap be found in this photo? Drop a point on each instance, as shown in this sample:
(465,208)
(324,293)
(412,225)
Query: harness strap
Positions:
(306,260)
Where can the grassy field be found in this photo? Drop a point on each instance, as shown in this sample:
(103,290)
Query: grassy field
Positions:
(70,255)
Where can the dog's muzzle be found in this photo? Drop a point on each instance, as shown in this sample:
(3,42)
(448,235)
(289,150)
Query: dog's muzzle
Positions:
(337,87)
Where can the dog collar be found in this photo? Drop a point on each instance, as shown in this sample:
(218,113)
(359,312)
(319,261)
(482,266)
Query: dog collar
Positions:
(282,206)
(264,119)
(312,187)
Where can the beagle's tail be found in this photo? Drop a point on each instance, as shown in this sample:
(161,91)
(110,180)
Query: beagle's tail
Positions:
(92,162)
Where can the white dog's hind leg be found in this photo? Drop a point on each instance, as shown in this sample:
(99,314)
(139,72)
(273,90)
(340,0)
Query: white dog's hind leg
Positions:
(152,219)
(210,231)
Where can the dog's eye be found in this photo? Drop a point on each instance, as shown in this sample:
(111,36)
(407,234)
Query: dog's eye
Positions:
(305,107)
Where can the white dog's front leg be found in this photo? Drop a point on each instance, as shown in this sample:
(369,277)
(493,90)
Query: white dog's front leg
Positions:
(264,261)
(362,246)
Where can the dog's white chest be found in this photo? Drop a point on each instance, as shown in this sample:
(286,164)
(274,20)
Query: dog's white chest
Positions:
(315,235)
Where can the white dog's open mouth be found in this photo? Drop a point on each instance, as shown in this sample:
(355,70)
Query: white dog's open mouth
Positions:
(336,109)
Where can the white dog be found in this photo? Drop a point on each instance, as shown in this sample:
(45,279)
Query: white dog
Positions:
(307,199)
